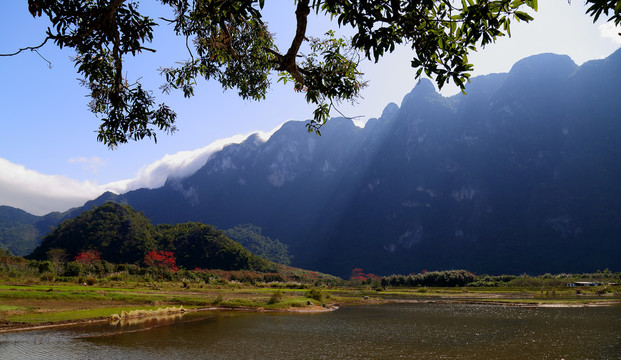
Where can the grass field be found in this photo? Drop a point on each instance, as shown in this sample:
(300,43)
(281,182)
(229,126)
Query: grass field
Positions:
(24,305)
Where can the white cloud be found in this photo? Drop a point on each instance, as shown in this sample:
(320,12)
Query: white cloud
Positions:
(92,164)
(610,31)
(40,194)
(179,165)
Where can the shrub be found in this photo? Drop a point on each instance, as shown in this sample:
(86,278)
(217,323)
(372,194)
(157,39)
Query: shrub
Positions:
(108,267)
(187,276)
(219,299)
(315,294)
(273,277)
(73,269)
(134,269)
(46,267)
(48,276)
(603,290)
(275,298)
(160,273)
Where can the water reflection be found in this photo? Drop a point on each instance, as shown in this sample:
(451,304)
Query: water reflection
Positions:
(397,331)
(145,322)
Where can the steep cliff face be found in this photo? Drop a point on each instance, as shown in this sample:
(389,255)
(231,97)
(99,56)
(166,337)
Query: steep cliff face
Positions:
(520,175)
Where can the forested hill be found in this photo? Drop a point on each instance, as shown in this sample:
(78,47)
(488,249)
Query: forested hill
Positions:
(21,232)
(16,229)
(122,235)
(519,175)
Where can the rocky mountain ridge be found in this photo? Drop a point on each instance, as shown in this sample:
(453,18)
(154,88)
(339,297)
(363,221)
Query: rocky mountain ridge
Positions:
(519,175)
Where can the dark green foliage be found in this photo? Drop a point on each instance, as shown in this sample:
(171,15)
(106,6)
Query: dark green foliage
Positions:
(251,238)
(273,277)
(14,266)
(204,246)
(74,268)
(102,34)
(233,45)
(461,278)
(276,297)
(124,236)
(46,266)
(121,234)
(489,280)
(449,278)
(315,294)
(21,232)
(610,8)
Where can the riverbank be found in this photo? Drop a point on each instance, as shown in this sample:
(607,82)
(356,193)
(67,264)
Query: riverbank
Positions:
(43,305)
(8,326)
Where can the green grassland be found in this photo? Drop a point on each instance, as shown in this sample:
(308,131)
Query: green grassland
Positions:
(47,303)
(42,292)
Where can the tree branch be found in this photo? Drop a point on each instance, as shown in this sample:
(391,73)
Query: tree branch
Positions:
(31,48)
(275,53)
(288,61)
(227,41)
(116,50)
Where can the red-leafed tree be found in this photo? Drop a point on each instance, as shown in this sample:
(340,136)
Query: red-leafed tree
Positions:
(161,259)
(88,257)
(372,277)
(357,274)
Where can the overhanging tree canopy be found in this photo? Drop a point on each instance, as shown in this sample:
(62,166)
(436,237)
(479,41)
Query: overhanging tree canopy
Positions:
(228,42)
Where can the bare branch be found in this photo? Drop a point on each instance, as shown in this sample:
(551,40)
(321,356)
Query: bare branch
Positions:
(343,115)
(49,64)
(31,48)
(187,46)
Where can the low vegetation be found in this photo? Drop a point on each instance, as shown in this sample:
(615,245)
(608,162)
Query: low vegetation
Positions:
(51,291)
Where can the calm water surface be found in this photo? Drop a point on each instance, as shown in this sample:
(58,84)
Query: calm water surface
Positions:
(395,331)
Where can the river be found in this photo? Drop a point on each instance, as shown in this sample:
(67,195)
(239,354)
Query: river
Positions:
(391,331)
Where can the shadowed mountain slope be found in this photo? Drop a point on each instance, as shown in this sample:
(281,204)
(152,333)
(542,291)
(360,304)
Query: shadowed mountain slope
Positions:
(520,175)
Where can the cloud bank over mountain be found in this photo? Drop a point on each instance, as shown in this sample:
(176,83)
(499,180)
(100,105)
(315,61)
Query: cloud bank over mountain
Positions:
(40,194)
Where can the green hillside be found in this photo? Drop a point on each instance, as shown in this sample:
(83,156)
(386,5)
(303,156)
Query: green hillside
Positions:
(18,233)
(123,235)
(253,240)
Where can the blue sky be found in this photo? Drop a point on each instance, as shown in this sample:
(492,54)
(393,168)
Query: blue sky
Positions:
(50,159)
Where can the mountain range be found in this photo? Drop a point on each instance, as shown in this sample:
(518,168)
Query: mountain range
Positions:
(519,175)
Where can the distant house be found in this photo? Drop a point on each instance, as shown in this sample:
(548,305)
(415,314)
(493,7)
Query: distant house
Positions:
(582,283)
